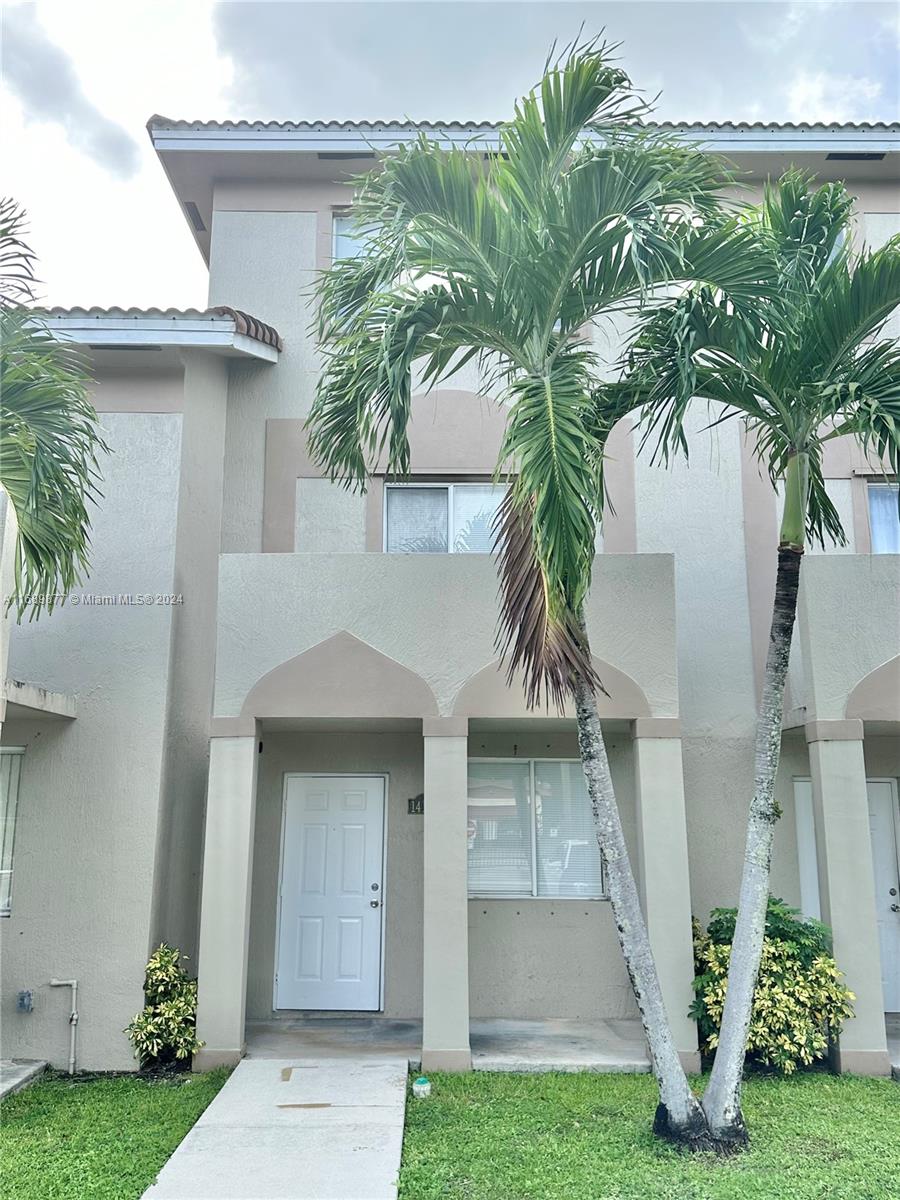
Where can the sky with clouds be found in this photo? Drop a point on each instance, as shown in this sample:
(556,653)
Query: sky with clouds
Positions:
(79,80)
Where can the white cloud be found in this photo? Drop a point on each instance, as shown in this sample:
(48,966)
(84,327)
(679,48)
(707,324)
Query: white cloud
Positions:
(819,96)
(43,78)
(101,238)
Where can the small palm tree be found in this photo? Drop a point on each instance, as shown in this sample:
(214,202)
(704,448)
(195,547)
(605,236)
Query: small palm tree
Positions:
(49,438)
(800,366)
(507,258)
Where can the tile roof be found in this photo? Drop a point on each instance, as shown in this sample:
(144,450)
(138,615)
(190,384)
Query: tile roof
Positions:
(160,122)
(244,323)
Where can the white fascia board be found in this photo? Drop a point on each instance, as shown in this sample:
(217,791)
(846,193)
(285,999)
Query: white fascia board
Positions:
(726,141)
(299,141)
(101,332)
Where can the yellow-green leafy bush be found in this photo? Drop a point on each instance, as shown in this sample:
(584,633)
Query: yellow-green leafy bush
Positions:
(800,999)
(165,1030)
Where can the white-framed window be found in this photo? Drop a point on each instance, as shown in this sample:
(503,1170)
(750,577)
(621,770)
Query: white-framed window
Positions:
(347,240)
(530,831)
(884,522)
(440,518)
(10,770)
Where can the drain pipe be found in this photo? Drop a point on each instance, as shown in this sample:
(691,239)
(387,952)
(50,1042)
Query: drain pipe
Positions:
(73,1016)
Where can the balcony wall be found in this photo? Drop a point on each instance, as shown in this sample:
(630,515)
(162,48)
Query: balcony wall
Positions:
(435,616)
(849,624)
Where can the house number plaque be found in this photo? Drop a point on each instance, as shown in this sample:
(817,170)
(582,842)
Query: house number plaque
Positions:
(416,805)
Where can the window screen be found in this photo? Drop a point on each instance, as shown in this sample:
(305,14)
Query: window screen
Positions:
(884,522)
(474,509)
(530,830)
(500,829)
(348,240)
(456,518)
(416,520)
(568,860)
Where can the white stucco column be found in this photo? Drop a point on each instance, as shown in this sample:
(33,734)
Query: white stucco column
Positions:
(847,885)
(665,882)
(225,900)
(445,957)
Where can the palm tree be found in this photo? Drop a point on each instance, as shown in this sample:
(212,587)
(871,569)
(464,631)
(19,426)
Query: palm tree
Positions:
(799,367)
(507,258)
(49,439)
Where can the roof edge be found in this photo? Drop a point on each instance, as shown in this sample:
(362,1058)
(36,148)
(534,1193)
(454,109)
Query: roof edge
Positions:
(185,327)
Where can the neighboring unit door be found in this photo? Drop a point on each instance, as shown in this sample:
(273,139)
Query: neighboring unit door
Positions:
(329,937)
(884,822)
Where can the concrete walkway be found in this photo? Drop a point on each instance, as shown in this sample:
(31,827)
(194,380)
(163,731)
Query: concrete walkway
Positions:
(295,1129)
(17,1073)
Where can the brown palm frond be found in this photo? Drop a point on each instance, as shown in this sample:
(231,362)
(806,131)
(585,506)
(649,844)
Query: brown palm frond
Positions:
(547,647)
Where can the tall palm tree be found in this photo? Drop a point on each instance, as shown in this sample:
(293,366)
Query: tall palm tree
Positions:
(799,367)
(507,258)
(49,438)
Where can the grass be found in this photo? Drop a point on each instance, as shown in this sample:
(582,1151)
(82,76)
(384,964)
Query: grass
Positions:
(587,1137)
(103,1138)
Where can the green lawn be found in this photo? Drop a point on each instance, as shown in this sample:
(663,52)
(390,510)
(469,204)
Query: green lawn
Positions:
(105,1139)
(587,1137)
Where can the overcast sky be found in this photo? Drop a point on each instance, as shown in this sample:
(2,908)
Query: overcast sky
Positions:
(79,80)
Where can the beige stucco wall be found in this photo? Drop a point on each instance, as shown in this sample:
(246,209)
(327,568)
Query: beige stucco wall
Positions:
(849,626)
(527,958)
(264,263)
(179,846)
(89,792)
(434,614)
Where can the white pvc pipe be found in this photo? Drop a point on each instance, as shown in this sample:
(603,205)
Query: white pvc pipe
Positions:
(73,1016)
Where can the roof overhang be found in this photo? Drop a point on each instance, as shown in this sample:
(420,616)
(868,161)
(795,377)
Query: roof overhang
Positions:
(215,331)
(197,154)
(330,137)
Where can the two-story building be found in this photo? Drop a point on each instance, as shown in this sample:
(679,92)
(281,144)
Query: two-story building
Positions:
(271,728)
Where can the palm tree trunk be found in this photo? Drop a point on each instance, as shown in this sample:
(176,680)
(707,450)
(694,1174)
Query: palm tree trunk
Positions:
(722,1099)
(679,1117)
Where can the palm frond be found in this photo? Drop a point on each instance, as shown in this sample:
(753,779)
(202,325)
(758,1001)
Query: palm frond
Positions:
(49,449)
(534,636)
(17,260)
(794,363)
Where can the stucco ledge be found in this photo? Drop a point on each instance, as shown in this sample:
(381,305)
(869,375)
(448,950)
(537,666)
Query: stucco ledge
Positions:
(209,1060)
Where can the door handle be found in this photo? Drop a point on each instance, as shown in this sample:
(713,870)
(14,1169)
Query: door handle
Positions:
(895,908)
(375,904)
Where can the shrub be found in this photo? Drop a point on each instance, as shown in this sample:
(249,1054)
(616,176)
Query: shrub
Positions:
(166,1028)
(800,1000)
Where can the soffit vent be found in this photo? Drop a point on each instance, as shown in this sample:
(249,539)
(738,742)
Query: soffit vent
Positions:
(837,156)
(194,217)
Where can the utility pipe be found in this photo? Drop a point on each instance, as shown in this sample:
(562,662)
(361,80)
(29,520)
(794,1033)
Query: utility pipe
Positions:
(73,1016)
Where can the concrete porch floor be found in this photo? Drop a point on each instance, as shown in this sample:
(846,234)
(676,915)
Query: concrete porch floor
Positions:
(497,1045)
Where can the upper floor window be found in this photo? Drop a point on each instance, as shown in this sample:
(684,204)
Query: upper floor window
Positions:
(446,518)
(530,831)
(348,241)
(10,767)
(884,523)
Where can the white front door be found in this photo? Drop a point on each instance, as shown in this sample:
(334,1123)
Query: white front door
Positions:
(329,936)
(884,822)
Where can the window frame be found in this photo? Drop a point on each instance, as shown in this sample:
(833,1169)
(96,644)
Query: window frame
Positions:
(603,894)
(342,212)
(448,488)
(871,483)
(19,752)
